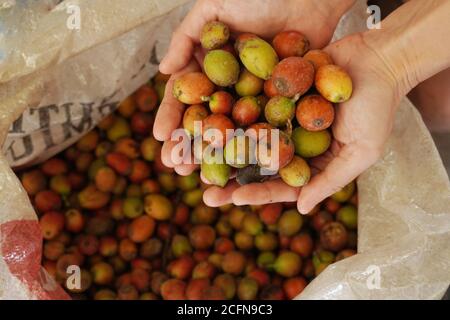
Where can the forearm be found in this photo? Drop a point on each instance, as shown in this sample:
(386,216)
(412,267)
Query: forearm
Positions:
(413,41)
(432,99)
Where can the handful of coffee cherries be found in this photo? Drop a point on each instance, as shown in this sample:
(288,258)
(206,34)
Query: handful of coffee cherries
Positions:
(258,108)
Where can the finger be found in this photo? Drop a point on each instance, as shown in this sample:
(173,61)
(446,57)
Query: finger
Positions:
(321,161)
(171,110)
(350,162)
(169,114)
(266,192)
(188,164)
(199,55)
(179,52)
(332,48)
(204,179)
(187,36)
(177,153)
(215,196)
(185,169)
(166,153)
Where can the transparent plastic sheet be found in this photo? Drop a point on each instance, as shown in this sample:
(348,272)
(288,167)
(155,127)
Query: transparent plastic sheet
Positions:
(56,84)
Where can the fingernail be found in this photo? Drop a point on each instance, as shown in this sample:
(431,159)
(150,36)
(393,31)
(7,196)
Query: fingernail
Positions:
(210,201)
(206,200)
(179,171)
(302,209)
(162,64)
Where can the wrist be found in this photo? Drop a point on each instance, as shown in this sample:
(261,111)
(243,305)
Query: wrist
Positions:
(391,60)
(412,42)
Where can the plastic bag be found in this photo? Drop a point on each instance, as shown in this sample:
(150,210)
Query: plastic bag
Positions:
(56,83)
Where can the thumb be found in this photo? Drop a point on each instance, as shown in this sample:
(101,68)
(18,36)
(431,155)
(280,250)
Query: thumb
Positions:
(186,36)
(170,111)
(179,53)
(349,162)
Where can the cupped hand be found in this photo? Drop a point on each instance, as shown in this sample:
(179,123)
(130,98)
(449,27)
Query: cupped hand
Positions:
(169,117)
(316,19)
(361,129)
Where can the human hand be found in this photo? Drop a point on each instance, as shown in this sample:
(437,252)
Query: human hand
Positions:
(361,128)
(388,65)
(316,19)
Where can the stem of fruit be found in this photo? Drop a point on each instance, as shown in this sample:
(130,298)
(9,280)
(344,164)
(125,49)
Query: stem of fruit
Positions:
(166,251)
(288,129)
(66,201)
(296,97)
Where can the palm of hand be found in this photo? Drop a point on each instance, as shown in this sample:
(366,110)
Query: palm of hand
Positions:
(266,19)
(366,117)
(270,17)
